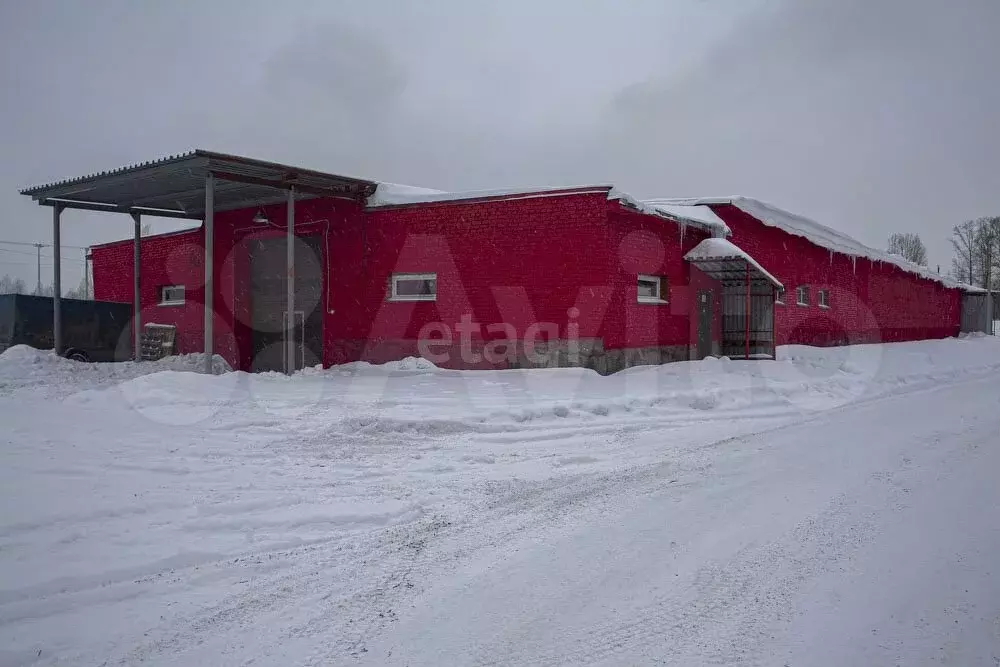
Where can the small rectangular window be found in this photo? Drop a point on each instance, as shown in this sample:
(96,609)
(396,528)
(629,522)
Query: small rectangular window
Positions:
(823,297)
(651,289)
(779,297)
(172,295)
(413,287)
(802,295)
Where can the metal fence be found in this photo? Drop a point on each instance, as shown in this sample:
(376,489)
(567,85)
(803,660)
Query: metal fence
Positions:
(976,317)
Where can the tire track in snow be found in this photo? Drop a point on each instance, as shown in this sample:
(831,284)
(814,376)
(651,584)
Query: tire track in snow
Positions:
(727,608)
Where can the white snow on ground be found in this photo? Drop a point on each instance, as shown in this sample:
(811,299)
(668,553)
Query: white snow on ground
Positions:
(837,506)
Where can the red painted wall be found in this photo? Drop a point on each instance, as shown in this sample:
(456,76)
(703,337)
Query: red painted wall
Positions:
(568,261)
(869,301)
(177,258)
(518,261)
(642,244)
(168,259)
(515,261)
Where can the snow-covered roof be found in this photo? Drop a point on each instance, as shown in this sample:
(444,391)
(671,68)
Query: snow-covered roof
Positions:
(817,234)
(393,194)
(720,249)
(699,214)
(387,193)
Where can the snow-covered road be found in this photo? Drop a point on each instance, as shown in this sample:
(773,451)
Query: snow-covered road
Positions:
(837,507)
(866,536)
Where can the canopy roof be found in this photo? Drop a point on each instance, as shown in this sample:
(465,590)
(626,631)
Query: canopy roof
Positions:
(175,186)
(726,262)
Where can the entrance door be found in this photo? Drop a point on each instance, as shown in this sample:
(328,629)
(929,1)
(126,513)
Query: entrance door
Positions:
(268,302)
(704,324)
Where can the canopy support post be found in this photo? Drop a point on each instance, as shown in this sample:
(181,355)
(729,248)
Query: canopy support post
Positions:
(748,313)
(136,284)
(774,323)
(209,268)
(290,285)
(56,282)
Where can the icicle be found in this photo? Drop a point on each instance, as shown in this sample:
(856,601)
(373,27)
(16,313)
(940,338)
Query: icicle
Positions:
(684,228)
(854,264)
(831,258)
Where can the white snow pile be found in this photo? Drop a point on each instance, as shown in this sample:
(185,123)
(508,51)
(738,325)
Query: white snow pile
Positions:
(26,369)
(393,194)
(414,396)
(415,364)
(821,235)
(722,249)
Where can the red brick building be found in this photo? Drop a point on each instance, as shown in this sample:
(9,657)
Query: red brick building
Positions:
(579,276)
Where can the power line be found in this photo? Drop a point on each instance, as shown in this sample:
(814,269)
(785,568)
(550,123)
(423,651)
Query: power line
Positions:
(17,252)
(46,261)
(38,258)
(44,245)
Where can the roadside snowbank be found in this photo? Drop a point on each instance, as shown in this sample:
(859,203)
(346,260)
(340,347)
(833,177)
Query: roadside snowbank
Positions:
(414,396)
(23,368)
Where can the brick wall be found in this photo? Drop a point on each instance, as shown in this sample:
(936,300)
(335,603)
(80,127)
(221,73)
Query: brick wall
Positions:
(517,262)
(168,259)
(642,244)
(869,301)
(177,259)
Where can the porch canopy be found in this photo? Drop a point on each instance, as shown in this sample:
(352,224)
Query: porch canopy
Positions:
(726,262)
(195,186)
(732,266)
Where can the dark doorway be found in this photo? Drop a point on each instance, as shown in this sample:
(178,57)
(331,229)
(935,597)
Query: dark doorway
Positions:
(268,282)
(704,324)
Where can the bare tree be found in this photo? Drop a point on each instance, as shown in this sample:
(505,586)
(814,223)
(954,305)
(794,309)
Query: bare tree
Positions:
(82,291)
(977,252)
(963,240)
(908,246)
(987,243)
(10,285)
(46,290)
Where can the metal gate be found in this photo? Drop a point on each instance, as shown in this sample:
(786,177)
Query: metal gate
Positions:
(736,333)
(975,315)
(268,303)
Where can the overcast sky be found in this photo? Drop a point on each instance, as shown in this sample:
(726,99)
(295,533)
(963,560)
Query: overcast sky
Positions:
(871,116)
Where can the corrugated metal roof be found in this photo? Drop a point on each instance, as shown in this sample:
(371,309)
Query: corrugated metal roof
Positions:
(176,185)
(37,189)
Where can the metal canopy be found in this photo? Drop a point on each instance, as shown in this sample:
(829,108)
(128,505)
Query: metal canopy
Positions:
(175,186)
(732,270)
(194,185)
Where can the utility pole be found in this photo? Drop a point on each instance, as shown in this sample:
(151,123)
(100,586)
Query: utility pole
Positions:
(86,273)
(38,255)
(38,252)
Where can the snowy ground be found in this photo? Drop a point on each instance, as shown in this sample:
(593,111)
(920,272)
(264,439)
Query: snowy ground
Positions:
(835,507)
